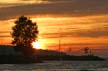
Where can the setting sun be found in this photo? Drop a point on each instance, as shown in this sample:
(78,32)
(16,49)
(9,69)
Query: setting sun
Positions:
(37,45)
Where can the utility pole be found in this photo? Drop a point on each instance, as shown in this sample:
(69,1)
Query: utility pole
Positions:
(59,44)
(59,39)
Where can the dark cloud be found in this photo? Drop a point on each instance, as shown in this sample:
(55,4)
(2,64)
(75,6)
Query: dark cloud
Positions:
(73,8)
(93,33)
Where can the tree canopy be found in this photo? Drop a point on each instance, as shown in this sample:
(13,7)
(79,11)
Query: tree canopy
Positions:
(24,33)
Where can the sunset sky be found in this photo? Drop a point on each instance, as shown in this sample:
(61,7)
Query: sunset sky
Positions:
(77,23)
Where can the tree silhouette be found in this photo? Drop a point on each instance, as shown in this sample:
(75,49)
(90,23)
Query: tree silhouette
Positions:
(24,33)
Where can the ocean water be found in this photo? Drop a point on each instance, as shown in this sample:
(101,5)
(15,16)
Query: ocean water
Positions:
(58,66)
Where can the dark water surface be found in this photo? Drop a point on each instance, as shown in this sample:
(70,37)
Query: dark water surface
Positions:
(58,66)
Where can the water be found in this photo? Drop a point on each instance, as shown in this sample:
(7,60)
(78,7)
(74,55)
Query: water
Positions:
(58,66)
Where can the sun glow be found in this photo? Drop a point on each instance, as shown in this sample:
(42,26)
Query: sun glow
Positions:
(38,45)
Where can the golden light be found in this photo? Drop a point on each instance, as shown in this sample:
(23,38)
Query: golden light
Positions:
(38,45)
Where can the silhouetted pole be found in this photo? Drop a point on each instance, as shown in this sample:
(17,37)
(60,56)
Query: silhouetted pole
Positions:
(59,44)
(59,39)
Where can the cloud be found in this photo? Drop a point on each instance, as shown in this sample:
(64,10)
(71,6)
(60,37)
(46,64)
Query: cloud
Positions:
(91,33)
(73,8)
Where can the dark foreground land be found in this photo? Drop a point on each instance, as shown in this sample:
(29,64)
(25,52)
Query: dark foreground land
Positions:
(40,55)
(11,59)
(18,59)
(73,58)
(7,59)
(54,55)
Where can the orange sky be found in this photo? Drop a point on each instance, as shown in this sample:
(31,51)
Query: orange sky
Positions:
(76,27)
